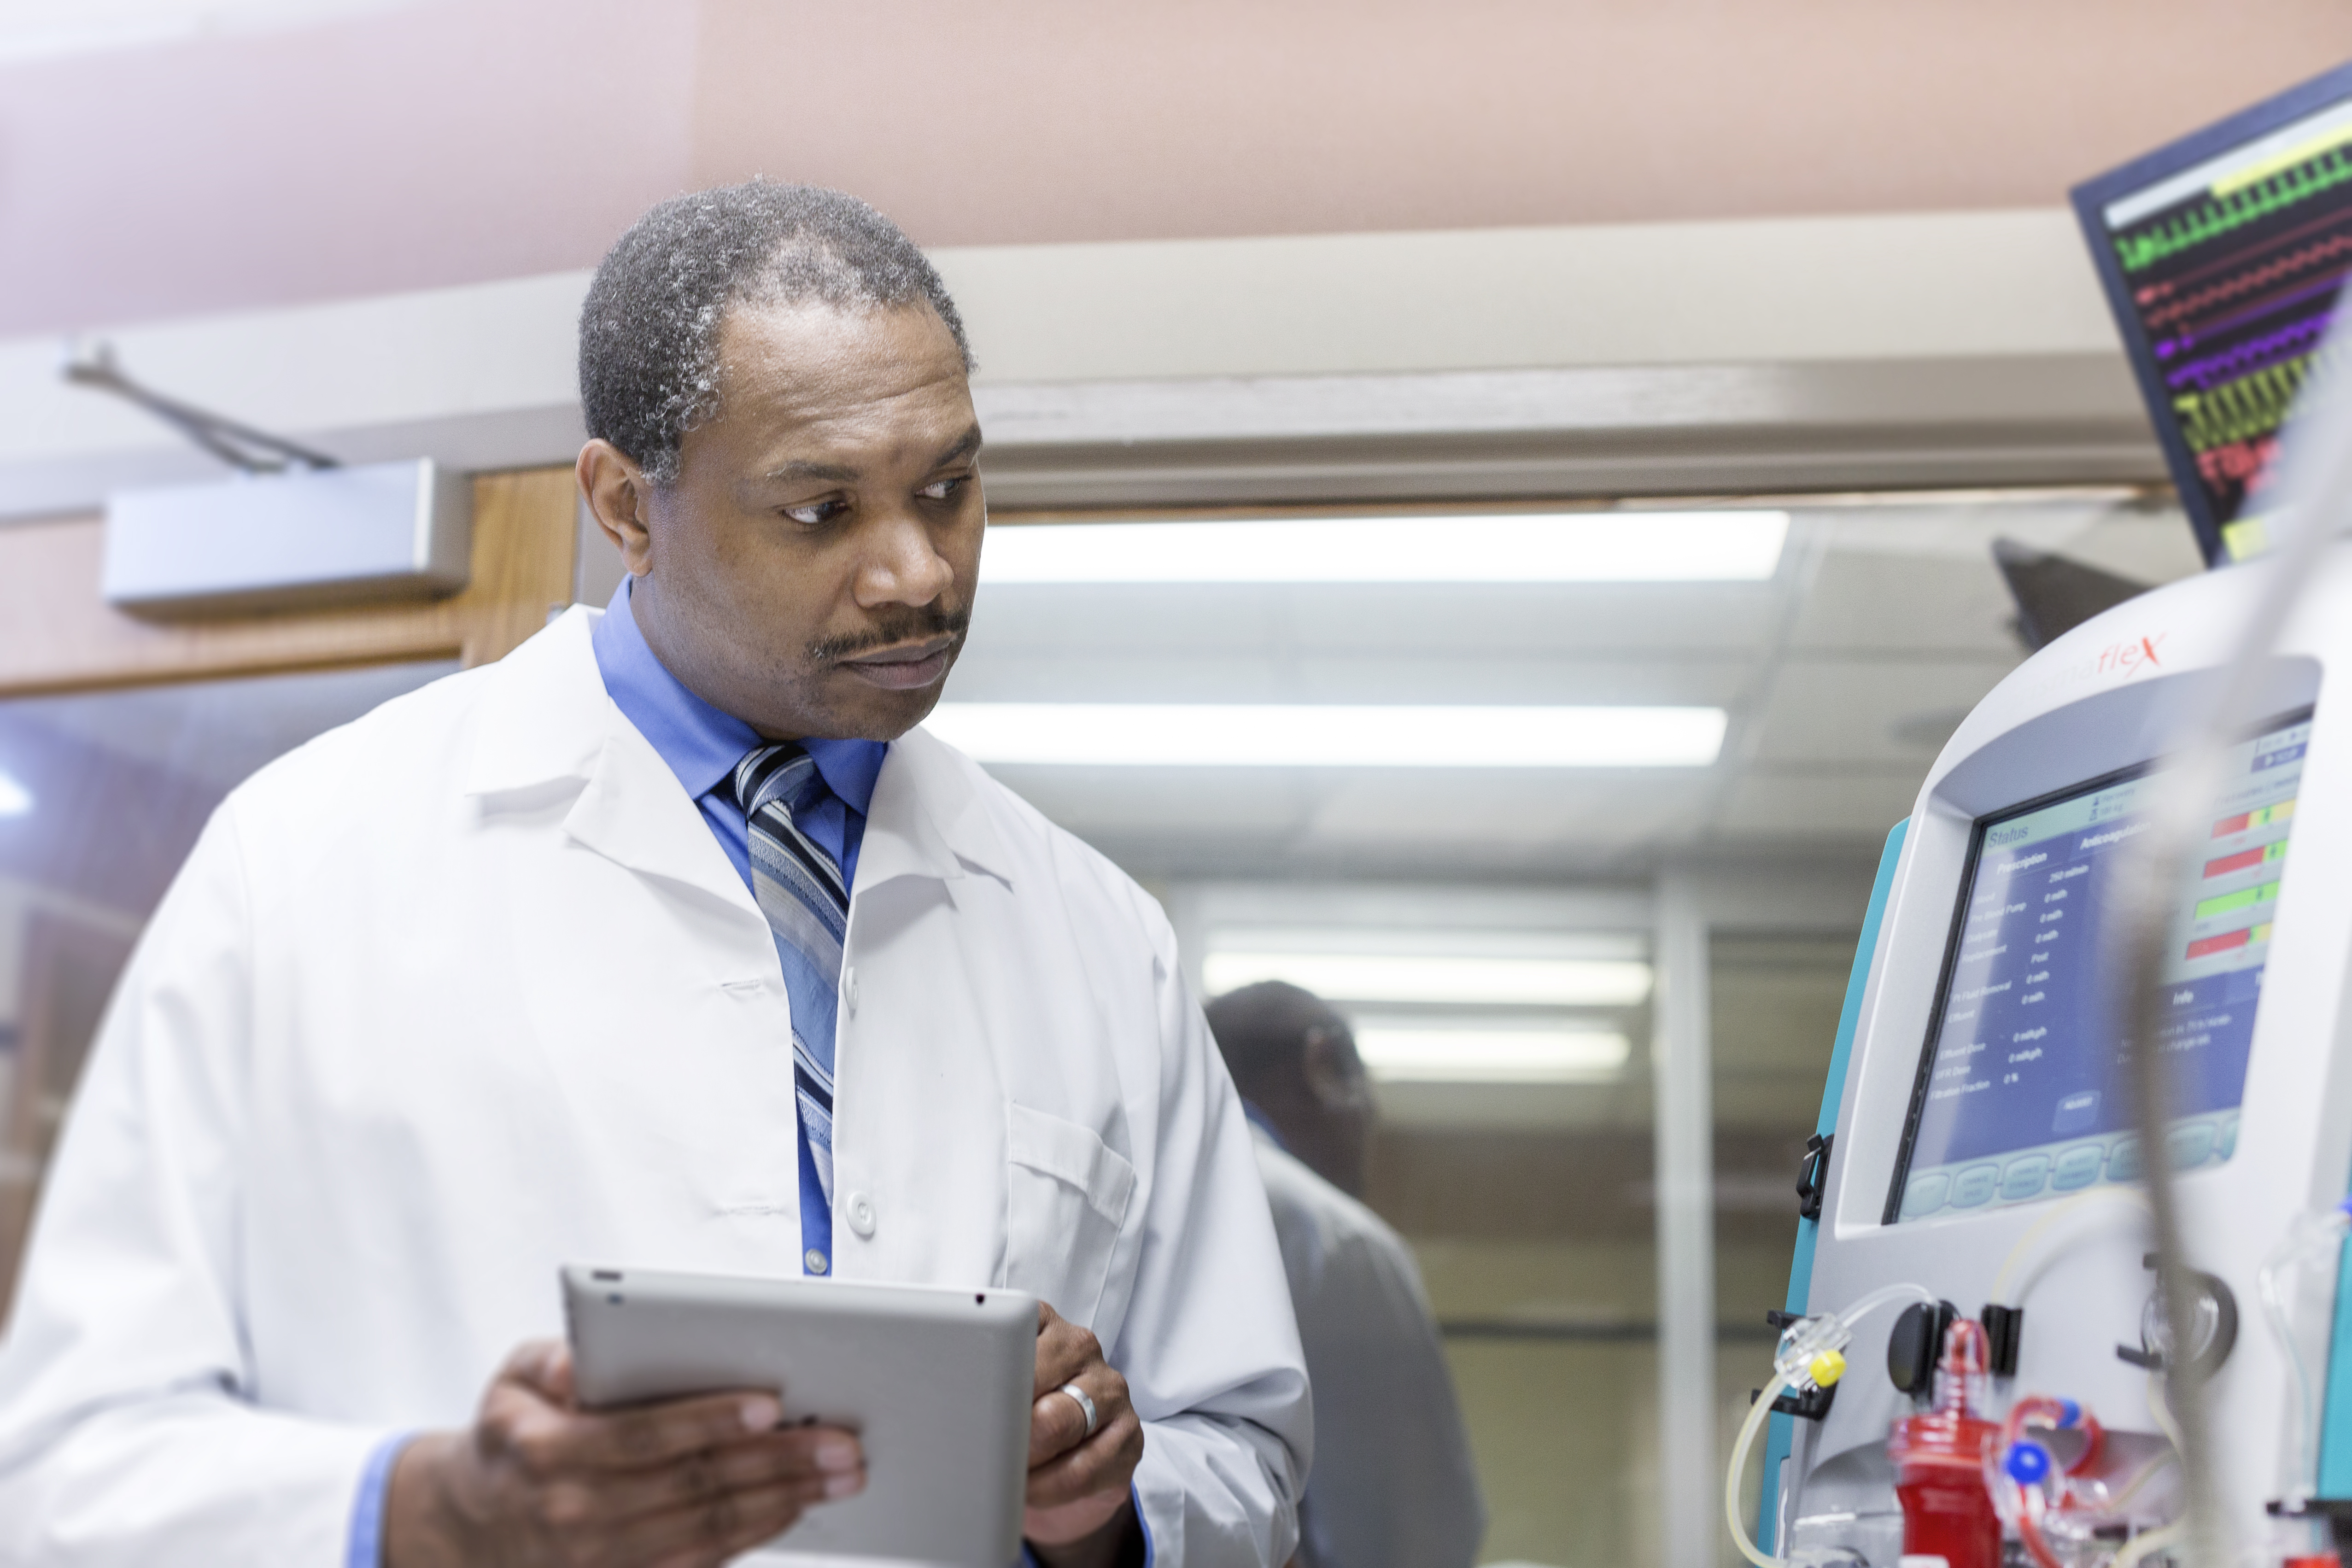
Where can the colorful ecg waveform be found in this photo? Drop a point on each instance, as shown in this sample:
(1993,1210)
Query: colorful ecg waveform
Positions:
(2231,289)
(2238,463)
(2162,305)
(2250,406)
(2210,371)
(2221,215)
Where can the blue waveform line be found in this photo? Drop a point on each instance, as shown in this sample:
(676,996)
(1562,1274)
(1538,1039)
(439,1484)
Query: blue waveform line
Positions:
(2204,375)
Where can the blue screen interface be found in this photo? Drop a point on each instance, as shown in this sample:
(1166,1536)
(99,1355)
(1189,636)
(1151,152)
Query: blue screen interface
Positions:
(2024,1096)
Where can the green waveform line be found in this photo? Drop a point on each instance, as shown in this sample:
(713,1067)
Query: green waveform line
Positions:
(2215,218)
(2251,406)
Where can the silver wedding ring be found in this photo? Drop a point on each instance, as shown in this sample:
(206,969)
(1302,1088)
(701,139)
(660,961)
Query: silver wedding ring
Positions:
(1074,1392)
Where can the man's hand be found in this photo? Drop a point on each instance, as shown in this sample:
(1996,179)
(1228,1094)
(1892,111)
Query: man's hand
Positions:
(685,1484)
(1081,1514)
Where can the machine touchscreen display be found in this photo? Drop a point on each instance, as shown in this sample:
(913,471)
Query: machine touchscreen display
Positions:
(2021,1094)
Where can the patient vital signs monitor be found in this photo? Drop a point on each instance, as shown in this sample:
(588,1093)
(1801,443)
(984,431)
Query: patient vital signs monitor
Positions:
(2222,256)
(2020,1096)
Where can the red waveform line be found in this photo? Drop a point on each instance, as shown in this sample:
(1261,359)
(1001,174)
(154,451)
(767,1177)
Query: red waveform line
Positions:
(2239,463)
(2189,276)
(2230,289)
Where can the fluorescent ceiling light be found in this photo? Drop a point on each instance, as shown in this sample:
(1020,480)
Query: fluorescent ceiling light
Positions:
(1551,547)
(1405,1055)
(1272,735)
(1391,977)
(15,800)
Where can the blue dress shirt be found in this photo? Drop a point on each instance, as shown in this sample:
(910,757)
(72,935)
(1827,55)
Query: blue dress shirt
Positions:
(702,746)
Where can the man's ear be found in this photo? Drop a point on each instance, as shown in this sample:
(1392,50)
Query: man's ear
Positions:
(1324,1061)
(618,497)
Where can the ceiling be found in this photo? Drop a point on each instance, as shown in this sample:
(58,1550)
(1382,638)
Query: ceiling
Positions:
(1843,676)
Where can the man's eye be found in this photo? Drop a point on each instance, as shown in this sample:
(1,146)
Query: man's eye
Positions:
(814,512)
(941,490)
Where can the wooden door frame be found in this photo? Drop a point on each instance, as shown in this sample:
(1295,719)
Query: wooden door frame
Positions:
(58,634)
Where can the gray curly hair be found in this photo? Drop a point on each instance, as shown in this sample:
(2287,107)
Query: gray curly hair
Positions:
(649,327)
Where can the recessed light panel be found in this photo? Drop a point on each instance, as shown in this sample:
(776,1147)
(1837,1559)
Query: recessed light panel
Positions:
(1516,547)
(1106,734)
(1394,1054)
(1436,980)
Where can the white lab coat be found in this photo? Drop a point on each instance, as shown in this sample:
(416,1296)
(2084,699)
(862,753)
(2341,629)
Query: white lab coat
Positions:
(467,990)
(1395,1485)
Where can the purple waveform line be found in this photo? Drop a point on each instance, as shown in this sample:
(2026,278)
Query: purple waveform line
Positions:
(2269,305)
(2203,374)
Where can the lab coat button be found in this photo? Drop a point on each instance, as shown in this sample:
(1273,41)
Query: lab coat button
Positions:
(861,1214)
(849,988)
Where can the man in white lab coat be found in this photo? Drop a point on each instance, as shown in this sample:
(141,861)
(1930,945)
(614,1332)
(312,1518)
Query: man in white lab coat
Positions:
(667,942)
(1394,1483)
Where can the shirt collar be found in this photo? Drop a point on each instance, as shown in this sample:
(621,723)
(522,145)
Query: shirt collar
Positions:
(702,744)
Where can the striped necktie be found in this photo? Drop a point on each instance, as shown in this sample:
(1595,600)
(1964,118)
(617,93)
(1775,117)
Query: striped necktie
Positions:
(799,889)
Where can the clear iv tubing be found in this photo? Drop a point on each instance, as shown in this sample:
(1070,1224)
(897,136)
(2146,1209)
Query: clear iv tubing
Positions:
(1802,1347)
(2021,1254)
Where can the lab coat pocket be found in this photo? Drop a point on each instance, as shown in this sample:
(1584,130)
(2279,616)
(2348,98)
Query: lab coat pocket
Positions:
(1066,1198)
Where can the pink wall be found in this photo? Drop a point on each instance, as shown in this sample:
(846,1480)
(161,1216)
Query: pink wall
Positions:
(450,143)
(444,143)
(1086,120)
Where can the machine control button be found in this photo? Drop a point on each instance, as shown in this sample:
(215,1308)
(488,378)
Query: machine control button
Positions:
(2077,1167)
(1915,1343)
(1926,1194)
(2123,1161)
(2190,1145)
(860,1209)
(2025,1177)
(1974,1185)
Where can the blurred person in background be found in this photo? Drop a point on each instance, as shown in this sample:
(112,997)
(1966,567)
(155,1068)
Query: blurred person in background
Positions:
(1393,1485)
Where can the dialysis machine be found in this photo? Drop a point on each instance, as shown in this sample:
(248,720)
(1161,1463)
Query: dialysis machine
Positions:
(1971,1367)
(1981,1151)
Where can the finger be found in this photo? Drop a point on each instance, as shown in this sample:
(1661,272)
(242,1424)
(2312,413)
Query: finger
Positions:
(550,1441)
(1057,1426)
(542,1366)
(1058,1423)
(720,1527)
(1064,1350)
(1104,1463)
(799,1454)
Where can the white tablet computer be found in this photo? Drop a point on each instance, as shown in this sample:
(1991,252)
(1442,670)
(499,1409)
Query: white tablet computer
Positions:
(936,1383)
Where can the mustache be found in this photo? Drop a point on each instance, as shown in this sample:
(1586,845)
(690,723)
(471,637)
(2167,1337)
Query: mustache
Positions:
(908,625)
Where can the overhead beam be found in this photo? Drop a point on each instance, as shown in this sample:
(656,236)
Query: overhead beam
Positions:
(1934,350)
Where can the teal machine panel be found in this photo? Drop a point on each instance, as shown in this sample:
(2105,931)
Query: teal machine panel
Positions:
(1782,1431)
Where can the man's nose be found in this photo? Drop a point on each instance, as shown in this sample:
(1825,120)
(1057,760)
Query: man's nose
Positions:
(902,563)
